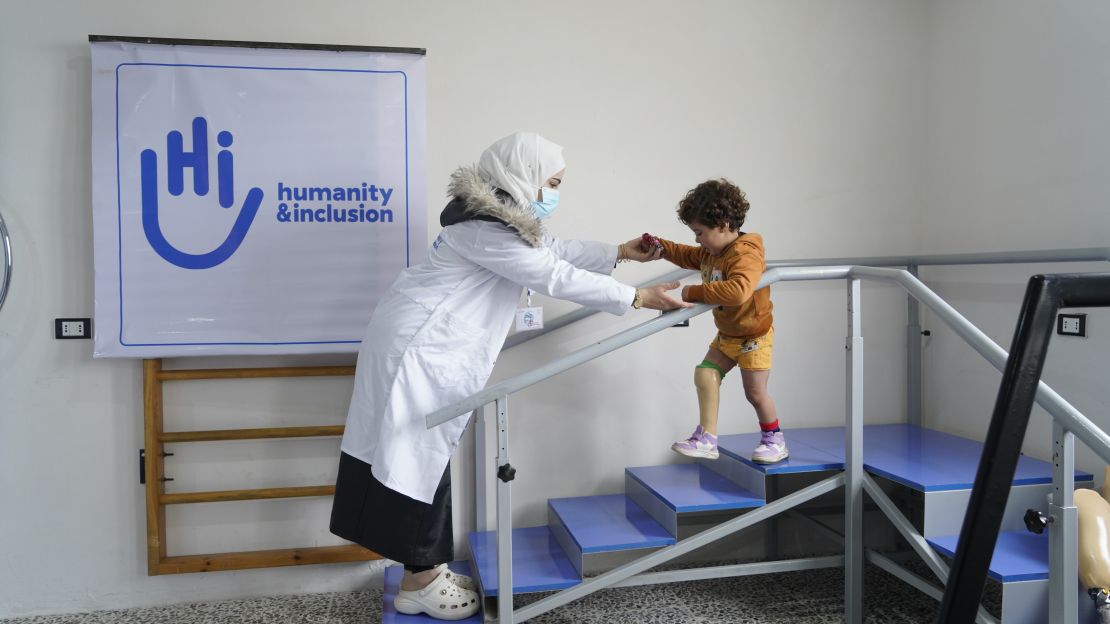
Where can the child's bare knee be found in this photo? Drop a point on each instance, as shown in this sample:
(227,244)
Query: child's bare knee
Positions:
(756,396)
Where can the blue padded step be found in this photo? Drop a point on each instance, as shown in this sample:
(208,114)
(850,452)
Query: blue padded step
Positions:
(1018,556)
(668,491)
(736,465)
(539,563)
(804,457)
(930,461)
(919,458)
(591,525)
(1020,564)
(393,583)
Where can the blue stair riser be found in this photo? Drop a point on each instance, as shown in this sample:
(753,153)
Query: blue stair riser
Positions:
(571,548)
(1026,602)
(740,473)
(652,504)
(945,510)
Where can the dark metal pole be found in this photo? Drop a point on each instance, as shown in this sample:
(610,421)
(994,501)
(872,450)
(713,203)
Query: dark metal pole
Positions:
(1002,448)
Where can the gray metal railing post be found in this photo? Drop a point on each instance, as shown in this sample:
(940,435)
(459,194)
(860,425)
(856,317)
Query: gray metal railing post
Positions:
(913,356)
(504,517)
(481,471)
(853,460)
(1063,536)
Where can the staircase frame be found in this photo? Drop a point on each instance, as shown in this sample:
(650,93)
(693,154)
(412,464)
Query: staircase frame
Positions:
(854,480)
(1020,387)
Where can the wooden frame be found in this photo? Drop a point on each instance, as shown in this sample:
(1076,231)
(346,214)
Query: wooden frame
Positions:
(157,498)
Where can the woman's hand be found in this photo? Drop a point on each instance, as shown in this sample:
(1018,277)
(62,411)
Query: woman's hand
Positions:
(633,250)
(655,297)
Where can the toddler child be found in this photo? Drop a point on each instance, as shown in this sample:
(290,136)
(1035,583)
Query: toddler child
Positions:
(731,264)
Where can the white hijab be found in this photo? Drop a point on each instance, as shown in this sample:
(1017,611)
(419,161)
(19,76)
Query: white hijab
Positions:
(520,163)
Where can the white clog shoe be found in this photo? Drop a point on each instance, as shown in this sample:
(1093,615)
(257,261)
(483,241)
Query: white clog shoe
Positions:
(461,580)
(441,599)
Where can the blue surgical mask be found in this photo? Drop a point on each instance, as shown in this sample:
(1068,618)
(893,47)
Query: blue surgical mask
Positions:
(543,209)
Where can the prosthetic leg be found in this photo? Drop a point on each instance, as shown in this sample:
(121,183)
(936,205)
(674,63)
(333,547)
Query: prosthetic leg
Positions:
(707,381)
(1094,546)
(703,442)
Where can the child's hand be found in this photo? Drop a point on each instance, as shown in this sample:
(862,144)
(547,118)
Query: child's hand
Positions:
(655,297)
(636,250)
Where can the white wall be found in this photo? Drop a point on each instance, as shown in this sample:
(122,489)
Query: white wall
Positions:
(817,109)
(1018,156)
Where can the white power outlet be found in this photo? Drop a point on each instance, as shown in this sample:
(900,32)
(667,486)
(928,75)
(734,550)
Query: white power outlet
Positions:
(70,328)
(1071,324)
(73,329)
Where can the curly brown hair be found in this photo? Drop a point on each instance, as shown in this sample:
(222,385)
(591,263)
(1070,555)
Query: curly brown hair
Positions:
(714,203)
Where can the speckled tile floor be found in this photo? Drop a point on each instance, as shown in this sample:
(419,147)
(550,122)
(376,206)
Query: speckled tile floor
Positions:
(807,597)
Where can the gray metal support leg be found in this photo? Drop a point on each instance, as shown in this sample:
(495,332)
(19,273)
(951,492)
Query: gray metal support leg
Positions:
(853,464)
(481,472)
(913,357)
(1063,535)
(504,520)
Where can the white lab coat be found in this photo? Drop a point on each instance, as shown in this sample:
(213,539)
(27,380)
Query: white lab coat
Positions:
(434,337)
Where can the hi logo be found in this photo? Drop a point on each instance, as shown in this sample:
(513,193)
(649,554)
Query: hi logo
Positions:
(177,160)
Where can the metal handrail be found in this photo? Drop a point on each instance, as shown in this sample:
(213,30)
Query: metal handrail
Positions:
(602,347)
(1044,296)
(1080,254)
(6,246)
(1052,402)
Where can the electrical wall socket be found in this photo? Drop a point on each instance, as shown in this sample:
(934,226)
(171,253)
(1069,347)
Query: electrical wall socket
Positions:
(1071,324)
(72,328)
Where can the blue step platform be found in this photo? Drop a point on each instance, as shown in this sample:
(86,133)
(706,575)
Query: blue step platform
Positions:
(539,563)
(940,465)
(1020,564)
(932,461)
(393,584)
(595,525)
(1017,556)
(669,491)
(922,459)
(804,457)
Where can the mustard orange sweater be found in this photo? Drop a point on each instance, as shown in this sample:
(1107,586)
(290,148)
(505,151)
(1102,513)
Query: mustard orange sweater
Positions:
(729,282)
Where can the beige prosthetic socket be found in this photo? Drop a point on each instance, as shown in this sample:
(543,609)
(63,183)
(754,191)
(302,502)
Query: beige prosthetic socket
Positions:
(1093,511)
(1094,539)
(708,383)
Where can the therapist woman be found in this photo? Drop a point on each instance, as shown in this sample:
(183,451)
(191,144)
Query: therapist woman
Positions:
(433,340)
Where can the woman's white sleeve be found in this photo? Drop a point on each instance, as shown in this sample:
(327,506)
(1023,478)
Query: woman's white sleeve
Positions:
(544,272)
(589,255)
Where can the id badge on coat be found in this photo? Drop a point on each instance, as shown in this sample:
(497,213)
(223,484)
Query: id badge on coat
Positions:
(529,318)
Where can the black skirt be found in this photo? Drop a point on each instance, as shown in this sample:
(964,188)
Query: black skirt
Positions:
(389,523)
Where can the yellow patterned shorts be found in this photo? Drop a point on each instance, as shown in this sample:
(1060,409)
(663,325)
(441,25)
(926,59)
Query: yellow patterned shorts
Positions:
(748,353)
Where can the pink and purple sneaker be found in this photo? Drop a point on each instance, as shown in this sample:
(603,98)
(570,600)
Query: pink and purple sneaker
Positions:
(700,444)
(771,449)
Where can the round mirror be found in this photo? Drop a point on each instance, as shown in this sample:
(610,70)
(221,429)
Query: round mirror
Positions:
(5,261)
